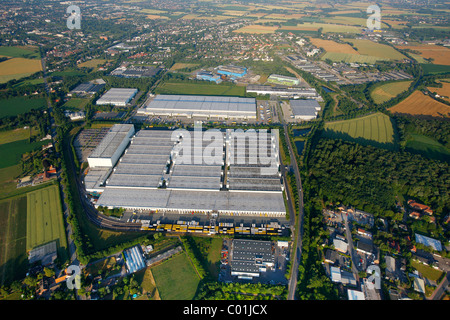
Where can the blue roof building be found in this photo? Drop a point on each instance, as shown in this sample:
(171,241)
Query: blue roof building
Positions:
(208,76)
(232,71)
(134,259)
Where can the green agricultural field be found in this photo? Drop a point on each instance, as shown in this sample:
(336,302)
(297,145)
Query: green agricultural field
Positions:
(75,104)
(350,58)
(13,151)
(388,91)
(18,105)
(13,257)
(376,130)
(20,52)
(428,147)
(176,278)
(382,51)
(45,219)
(200,88)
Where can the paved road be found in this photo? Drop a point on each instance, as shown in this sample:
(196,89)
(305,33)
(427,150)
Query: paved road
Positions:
(296,223)
(439,291)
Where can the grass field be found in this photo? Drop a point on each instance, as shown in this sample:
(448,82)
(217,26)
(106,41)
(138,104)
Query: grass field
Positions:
(28,52)
(375,129)
(7,179)
(76,103)
(16,135)
(45,219)
(201,89)
(18,105)
(434,68)
(428,147)
(94,63)
(181,65)
(332,46)
(427,271)
(17,68)
(439,55)
(13,151)
(420,104)
(388,91)
(176,278)
(349,58)
(13,257)
(370,48)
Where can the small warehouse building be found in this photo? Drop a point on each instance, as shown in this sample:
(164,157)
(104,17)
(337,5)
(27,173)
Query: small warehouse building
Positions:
(305,109)
(118,97)
(251,257)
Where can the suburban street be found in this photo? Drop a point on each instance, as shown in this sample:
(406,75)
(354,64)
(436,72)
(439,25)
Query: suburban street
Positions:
(296,222)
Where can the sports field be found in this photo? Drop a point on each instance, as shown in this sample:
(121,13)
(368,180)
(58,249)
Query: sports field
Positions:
(13,257)
(375,129)
(388,91)
(176,278)
(420,104)
(44,218)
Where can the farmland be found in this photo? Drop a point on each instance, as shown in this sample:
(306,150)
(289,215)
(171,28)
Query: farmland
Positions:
(375,129)
(438,54)
(176,278)
(12,152)
(13,258)
(427,146)
(180,65)
(202,89)
(17,68)
(420,104)
(45,219)
(388,91)
(28,52)
(382,51)
(332,46)
(444,92)
(18,105)
(326,28)
(349,58)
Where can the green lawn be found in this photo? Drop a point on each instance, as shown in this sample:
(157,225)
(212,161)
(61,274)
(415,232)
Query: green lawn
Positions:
(426,271)
(13,257)
(176,278)
(20,52)
(427,146)
(18,105)
(13,151)
(45,219)
(76,103)
(200,88)
(375,129)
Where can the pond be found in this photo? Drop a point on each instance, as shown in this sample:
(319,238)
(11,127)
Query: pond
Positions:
(301,132)
(300,145)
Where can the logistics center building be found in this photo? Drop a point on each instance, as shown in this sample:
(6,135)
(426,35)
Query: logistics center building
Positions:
(152,176)
(220,107)
(119,97)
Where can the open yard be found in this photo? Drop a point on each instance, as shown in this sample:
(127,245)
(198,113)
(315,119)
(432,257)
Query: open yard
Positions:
(176,278)
(420,104)
(45,219)
(13,257)
(375,130)
(388,91)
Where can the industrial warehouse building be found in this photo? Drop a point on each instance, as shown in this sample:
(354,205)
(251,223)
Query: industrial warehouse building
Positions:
(112,146)
(152,176)
(250,257)
(201,106)
(305,109)
(283,91)
(208,76)
(119,97)
(232,71)
(284,80)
